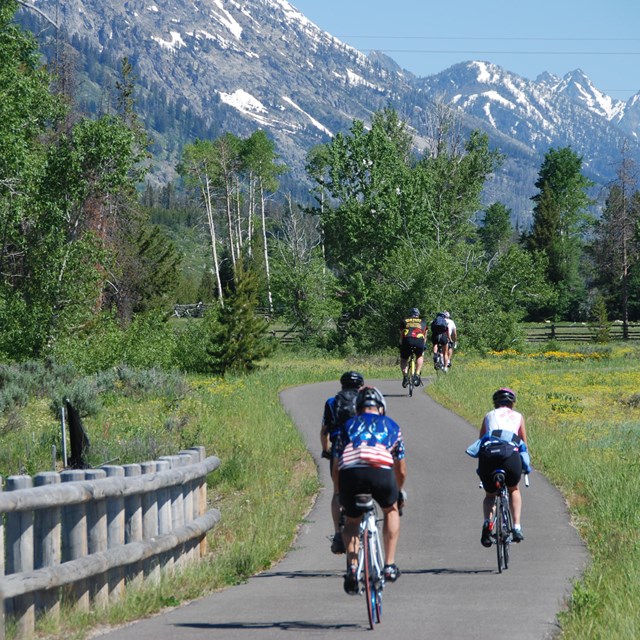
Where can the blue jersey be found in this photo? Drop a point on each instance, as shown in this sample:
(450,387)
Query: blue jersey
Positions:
(369,440)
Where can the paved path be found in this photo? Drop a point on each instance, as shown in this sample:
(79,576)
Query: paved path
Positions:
(449,588)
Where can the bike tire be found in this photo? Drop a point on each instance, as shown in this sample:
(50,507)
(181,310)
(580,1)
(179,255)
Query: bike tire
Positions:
(368,590)
(412,370)
(378,578)
(499,535)
(508,526)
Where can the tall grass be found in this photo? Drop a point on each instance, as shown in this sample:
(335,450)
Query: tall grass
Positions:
(583,421)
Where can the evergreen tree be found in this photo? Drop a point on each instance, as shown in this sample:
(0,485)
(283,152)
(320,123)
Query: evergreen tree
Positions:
(560,219)
(496,231)
(617,240)
(237,337)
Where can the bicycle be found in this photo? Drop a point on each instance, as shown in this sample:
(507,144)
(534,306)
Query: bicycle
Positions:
(370,570)
(411,371)
(438,363)
(502,521)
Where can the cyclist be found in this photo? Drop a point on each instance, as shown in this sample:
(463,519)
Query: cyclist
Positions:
(370,458)
(413,336)
(453,338)
(502,436)
(337,410)
(440,336)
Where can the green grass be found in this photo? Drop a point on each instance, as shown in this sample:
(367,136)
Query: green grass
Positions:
(583,421)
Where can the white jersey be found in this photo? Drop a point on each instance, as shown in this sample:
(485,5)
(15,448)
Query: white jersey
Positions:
(452,326)
(505,419)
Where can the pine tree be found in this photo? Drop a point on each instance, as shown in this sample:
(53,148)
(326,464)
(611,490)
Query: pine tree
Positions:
(237,335)
(560,218)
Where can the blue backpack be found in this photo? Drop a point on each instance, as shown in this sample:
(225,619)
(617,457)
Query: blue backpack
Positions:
(439,325)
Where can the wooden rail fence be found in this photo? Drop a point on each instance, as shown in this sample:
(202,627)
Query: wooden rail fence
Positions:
(83,535)
(577,332)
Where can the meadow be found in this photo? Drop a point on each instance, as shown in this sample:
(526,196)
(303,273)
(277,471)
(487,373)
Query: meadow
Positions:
(582,410)
(583,417)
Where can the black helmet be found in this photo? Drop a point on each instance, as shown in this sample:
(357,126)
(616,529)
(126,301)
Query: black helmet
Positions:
(351,380)
(504,396)
(414,313)
(370,397)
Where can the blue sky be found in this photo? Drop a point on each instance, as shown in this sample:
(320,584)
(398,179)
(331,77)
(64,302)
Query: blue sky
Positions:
(527,38)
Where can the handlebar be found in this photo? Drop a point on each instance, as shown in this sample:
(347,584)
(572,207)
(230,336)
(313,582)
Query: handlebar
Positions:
(401,500)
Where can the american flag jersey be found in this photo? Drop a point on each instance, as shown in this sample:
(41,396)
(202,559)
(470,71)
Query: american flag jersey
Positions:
(369,440)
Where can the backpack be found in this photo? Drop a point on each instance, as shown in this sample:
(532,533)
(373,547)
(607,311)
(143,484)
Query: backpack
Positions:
(344,406)
(439,325)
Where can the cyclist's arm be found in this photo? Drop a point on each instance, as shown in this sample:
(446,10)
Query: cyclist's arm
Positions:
(483,428)
(325,428)
(522,432)
(400,472)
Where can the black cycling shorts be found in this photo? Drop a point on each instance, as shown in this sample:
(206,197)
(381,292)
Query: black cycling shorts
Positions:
(409,344)
(380,483)
(512,466)
(439,338)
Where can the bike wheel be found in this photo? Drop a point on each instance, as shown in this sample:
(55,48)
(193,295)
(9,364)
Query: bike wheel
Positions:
(508,525)
(368,590)
(378,578)
(411,371)
(499,525)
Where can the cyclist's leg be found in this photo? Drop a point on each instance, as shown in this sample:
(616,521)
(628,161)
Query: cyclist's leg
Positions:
(419,360)
(391,532)
(385,491)
(445,351)
(513,468)
(515,502)
(405,352)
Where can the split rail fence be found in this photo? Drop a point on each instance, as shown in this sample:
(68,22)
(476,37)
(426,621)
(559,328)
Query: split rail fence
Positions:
(578,332)
(82,535)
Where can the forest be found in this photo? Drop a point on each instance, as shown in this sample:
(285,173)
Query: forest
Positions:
(94,257)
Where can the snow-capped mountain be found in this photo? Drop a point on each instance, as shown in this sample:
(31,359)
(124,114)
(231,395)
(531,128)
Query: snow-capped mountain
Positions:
(247,64)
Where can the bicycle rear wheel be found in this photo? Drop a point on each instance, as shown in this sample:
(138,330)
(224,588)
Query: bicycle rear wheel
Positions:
(411,370)
(499,525)
(507,526)
(502,533)
(377,575)
(369,591)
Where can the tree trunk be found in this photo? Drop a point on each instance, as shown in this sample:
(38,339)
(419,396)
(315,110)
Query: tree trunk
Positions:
(264,242)
(206,194)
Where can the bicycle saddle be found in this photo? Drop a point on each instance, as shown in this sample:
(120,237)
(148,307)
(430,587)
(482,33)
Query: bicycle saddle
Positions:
(498,477)
(364,502)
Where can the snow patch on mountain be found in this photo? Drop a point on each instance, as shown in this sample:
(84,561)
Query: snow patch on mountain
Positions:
(243,101)
(227,20)
(313,121)
(176,41)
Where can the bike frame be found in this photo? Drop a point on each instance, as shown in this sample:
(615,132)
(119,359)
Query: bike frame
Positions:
(502,521)
(370,559)
(411,370)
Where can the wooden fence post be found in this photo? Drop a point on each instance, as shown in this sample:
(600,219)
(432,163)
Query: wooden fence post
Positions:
(75,542)
(164,515)
(97,542)
(115,533)
(133,522)
(48,551)
(201,499)
(20,558)
(151,567)
(177,510)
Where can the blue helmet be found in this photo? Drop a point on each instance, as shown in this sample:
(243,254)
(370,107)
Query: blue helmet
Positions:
(370,397)
(414,313)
